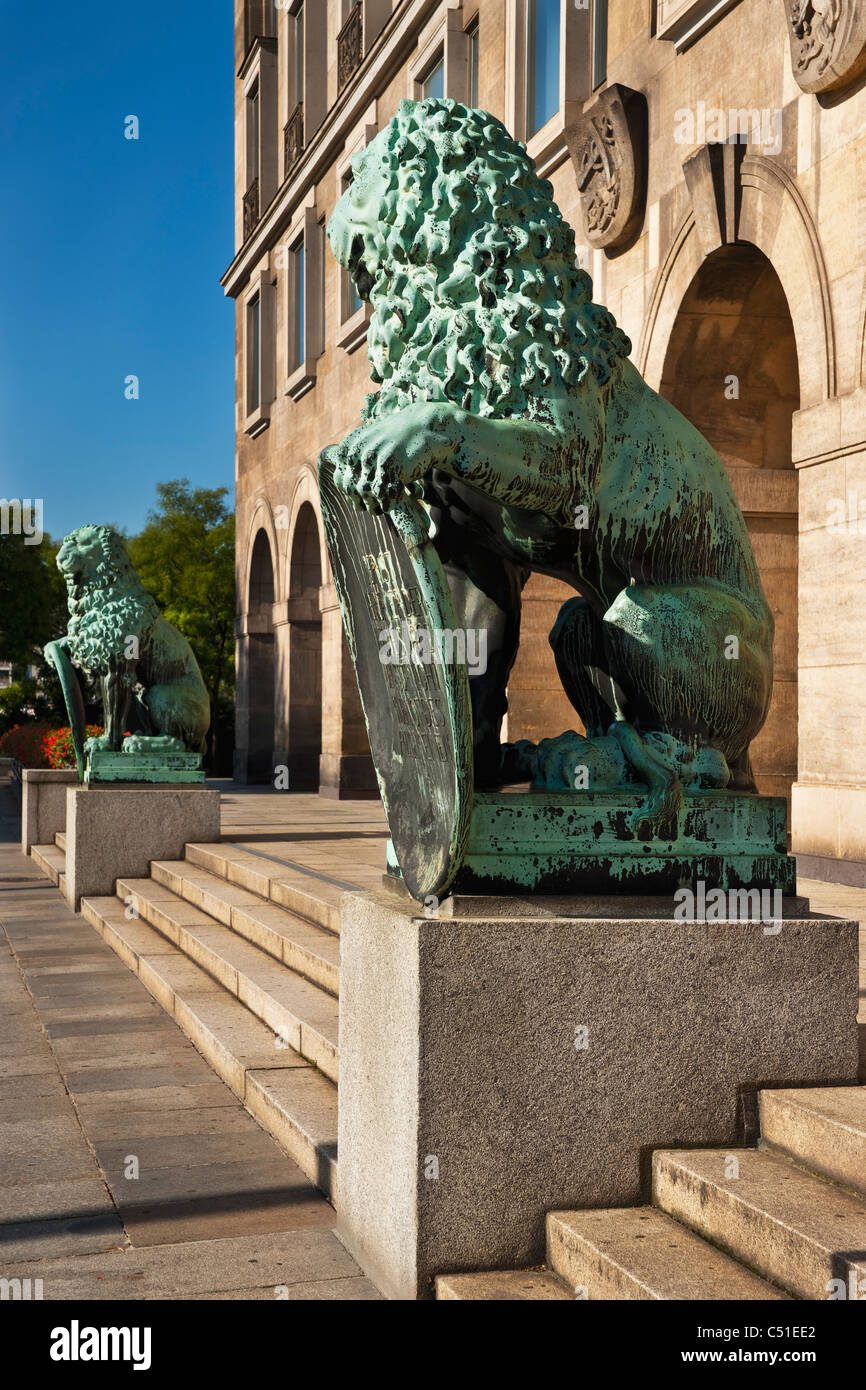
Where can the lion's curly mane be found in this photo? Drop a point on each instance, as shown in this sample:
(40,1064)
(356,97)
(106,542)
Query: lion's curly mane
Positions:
(477,298)
(108,607)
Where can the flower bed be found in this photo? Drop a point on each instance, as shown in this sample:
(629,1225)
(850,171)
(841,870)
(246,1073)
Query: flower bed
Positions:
(40,745)
(25,743)
(58,747)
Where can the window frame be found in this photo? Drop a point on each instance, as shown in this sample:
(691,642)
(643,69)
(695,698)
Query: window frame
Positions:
(253,102)
(258,74)
(312,97)
(531,78)
(352,328)
(375,14)
(299,372)
(472,31)
(600,31)
(445,36)
(437,66)
(260,288)
(548,146)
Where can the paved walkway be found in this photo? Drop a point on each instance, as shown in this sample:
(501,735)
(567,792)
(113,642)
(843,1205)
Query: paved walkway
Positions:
(127,1169)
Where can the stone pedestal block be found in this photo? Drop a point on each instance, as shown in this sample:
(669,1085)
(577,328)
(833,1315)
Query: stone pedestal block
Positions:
(43,810)
(115,832)
(494,1069)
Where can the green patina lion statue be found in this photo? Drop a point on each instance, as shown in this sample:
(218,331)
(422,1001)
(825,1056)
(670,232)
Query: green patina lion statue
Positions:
(508,403)
(151,683)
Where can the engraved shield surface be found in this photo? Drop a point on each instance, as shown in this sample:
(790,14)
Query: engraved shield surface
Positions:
(391,585)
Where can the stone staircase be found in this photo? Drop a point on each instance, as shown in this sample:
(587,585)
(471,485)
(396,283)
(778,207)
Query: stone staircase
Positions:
(779,1221)
(52,860)
(248,966)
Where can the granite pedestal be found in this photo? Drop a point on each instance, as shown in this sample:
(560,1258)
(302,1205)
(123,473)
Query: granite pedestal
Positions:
(43,808)
(494,1068)
(115,832)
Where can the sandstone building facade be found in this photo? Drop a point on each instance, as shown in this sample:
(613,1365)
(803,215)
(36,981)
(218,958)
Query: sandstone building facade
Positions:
(711,156)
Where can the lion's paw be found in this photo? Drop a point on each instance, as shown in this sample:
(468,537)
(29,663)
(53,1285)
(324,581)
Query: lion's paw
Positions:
(99,743)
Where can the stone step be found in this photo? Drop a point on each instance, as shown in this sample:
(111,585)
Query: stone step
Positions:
(639,1253)
(303,1014)
(60,840)
(306,948)
(503,1286)
(789,1225)
(290,1098)
(303,893)
(51,860)
(824,1128)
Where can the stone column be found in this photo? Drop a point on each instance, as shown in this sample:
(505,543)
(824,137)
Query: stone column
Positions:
(345,768)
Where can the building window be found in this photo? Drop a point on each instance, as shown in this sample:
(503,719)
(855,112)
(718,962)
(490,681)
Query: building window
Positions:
(354,313)
(254,133)
(544,18)
(297,321)
(352,301)
(303,76)
(433,84)
(599,43)
(474,55)
(254,353)
(321,243)
(302,259)
(296,21)
(259,21)
(257,134)
(441,66)
(350,45)
(259,345)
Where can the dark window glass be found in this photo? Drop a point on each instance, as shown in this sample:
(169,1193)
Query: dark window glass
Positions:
(434,84)
(474,51)
(254,350)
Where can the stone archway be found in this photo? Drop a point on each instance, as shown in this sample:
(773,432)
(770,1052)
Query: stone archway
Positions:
(260,672)
(731,367)
(305,652)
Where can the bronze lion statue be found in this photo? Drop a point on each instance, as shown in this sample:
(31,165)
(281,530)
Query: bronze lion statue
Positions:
(152,687)
(508,403)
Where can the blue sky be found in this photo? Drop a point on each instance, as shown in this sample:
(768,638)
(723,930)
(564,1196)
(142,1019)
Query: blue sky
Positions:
(112,251)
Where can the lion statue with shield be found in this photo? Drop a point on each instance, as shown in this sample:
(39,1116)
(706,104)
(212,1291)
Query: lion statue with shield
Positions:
(508,404)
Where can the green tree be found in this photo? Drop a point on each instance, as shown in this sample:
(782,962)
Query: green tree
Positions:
(185,557)
(32,600)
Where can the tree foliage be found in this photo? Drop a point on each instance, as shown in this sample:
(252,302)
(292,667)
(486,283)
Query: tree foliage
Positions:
(32,599)
(185,557)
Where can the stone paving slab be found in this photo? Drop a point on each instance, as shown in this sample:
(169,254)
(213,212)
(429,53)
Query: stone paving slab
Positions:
(291,1260)
(54,1200)
(120,1126)
(157,1098)
(73,1235)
